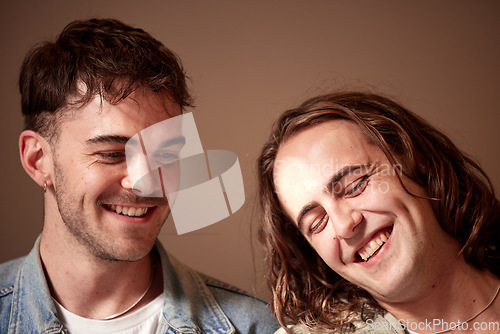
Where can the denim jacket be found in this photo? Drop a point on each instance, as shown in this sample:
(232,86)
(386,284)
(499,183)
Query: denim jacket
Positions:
(193,303)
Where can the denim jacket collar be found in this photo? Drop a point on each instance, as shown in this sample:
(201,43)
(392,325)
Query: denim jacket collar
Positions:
(186,298)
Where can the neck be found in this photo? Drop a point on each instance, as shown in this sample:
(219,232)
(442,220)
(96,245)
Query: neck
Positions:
(456,296)
(92,287)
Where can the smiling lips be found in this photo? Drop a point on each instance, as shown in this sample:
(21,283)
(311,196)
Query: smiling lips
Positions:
(129,211)
(379,239)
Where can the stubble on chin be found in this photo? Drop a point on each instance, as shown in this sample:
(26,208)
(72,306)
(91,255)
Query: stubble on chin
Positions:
(129,245)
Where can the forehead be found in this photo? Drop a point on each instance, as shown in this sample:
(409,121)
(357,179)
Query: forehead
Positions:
(138,111)
(307,161)
(326,147)
(342,137)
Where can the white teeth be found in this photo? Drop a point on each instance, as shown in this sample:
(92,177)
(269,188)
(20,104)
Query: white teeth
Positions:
(374,245)
(384,237)
(129,211)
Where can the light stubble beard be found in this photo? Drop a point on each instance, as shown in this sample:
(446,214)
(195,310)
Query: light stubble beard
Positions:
(99,244)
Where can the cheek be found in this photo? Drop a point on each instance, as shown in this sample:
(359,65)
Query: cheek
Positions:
(171,177)
(97,179)
(328,249)
(381,185)
(381,194)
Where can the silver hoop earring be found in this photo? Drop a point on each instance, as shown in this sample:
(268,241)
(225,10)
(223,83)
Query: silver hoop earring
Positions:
(45,187)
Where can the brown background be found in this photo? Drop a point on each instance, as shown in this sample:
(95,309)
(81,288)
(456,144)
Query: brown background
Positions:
(248,61)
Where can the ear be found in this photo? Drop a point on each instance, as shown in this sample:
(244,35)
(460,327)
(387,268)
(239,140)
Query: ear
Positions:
(36,157)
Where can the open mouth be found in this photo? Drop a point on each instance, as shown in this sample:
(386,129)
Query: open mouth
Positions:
(371,248)
(128,211)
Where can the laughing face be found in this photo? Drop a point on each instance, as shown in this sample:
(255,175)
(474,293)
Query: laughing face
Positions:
(345,197)
(94,200)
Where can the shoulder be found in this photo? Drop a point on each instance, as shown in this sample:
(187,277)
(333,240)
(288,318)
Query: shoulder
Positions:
(378,323)
(239,304)
(214,300)
(226,293)
(8,273)
(297,329)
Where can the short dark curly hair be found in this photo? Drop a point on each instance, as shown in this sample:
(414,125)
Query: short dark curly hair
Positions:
(105,57)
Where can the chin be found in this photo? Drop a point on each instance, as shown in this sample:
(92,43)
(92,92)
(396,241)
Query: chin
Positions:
(129,251)
(395,291)
(124,256)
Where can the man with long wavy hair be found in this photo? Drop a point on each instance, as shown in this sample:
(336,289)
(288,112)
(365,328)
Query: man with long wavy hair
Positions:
(375,222)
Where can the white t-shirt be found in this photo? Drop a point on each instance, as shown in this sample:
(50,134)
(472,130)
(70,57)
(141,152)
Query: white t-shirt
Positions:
(144,320)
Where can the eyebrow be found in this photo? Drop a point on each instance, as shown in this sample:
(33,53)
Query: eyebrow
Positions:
(341,173)
(303,212)
(174,141)
(108,139)
(332,182)
(115,139)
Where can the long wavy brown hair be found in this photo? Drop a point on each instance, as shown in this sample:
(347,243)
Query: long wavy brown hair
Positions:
(305,290)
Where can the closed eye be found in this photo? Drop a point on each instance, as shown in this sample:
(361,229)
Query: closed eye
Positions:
(164,157)
(111,157)
(357,187)
(318,224)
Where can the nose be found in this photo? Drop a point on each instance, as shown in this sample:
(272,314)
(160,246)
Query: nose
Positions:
(140,179)
(126,182)
(149,185)
(344,220)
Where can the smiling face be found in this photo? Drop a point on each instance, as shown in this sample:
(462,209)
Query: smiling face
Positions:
(93,198)
(347,201)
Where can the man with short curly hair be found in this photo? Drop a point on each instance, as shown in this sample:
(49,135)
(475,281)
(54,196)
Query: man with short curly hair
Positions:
(97,265)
